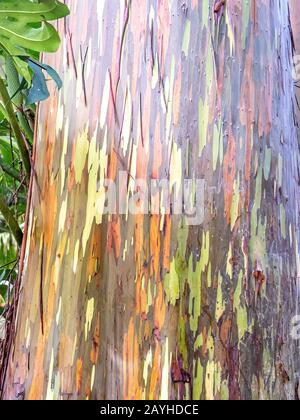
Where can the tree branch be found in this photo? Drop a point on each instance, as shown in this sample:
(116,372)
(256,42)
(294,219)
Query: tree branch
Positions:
(10,170)
(15,126)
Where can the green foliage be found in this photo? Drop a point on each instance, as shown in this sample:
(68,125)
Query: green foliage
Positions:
(13,191)
(39,90)
(8,268)
(25,32)
(23,23)
(24,26)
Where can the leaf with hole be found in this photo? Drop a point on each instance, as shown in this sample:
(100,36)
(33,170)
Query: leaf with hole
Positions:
(24,24)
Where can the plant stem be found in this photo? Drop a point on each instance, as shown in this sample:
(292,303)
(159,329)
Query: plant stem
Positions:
(11,222)
(10,171)
(25,127)
(15,126)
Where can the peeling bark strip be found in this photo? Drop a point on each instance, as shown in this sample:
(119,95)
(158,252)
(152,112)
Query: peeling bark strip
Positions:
(147,307)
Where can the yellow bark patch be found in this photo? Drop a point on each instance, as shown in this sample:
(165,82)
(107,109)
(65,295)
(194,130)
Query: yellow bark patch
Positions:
(76,255)
(81,151)
(63,215)
(89,316)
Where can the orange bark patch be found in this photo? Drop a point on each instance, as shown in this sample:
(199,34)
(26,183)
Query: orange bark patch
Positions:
(36,389)
(113,164)
(96,342)
(95,253)
(155,374)
(142,291)
(71,174)
(49,209)
(167,243)
(155,246)
(131,388)
(159,306)
(225,330)
(138,291)
(79,370)
(229,175)
(114,237)
(139,234)
(71,178)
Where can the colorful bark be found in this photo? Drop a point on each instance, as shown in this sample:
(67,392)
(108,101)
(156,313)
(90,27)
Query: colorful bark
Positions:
(295,22)
(146,306)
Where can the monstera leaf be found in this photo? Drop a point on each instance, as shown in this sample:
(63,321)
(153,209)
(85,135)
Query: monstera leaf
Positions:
(23,23)
(33,11)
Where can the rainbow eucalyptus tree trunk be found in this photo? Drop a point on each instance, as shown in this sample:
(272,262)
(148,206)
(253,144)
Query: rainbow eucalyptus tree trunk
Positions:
(295,21)
(133,306)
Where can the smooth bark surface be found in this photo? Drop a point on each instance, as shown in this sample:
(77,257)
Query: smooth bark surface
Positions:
(295,21)
(140,306)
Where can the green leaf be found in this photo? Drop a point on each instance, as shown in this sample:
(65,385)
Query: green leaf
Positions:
(2,301)
(23,69)
(5,141)
(54,75)
(3,111)
(44,38)
(34,12)
(18,55)
(39,90)
(10,48)
(23,23)
(25,32)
